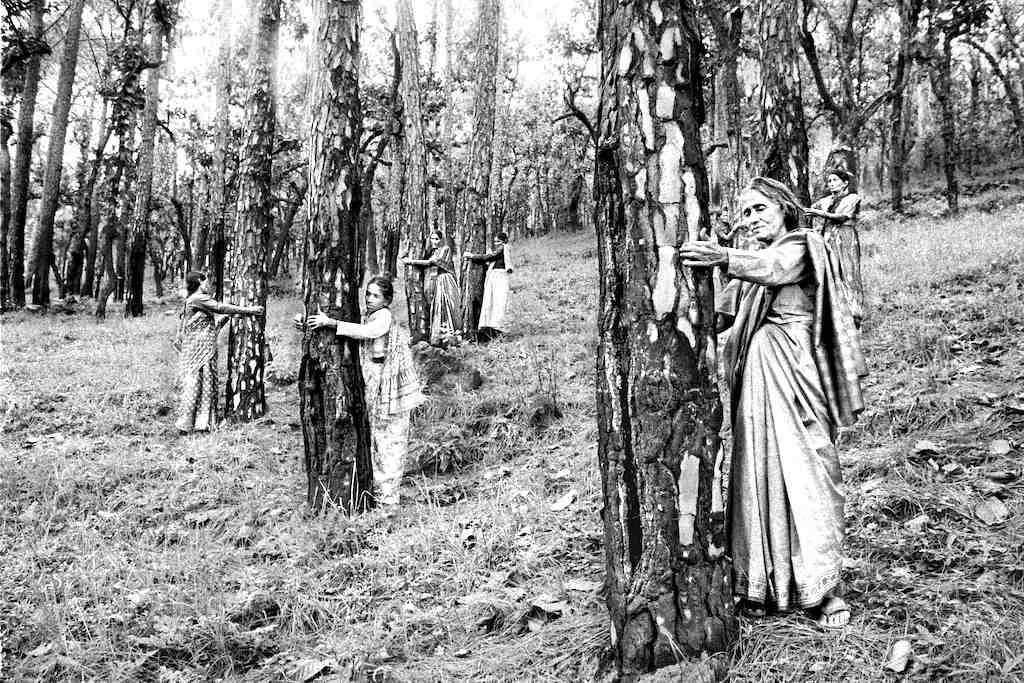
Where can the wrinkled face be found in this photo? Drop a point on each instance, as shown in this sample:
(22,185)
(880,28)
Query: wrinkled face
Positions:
(835,183)
(435,241)
(762,216)
(374,298)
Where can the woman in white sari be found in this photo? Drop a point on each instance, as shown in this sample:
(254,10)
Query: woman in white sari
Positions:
(794,364)
(496,288)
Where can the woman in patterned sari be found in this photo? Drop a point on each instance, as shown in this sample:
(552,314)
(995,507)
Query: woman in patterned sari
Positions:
(794,364)
(440,290)
(839,210)
(392,386)
(197,342)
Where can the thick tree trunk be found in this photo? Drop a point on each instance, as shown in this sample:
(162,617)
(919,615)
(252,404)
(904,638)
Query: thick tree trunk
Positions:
(218,184)
(246,394)
(783,135)
(940,71)
(414,207)
(667,574)
(473,222)
(909,11)
(21,174)
(331,394)
(139,226)
(42,245)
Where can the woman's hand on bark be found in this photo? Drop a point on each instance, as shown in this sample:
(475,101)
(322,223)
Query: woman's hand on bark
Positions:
(321,320)
(703,254)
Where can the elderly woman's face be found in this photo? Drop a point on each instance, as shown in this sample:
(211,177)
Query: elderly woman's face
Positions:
(762,216)
(835,183)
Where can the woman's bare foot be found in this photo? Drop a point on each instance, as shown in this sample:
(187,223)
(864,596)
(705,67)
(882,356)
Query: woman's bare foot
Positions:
(833,613)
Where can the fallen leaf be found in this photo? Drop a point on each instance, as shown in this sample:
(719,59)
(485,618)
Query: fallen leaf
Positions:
(992,511)
(1000,447)
(899,656)
(564,502)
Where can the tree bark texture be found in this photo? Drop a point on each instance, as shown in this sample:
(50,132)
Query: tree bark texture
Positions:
(42,245)
(288,213)
(21,174)
(473,223)
(909,11)
(941,73)
(414,207)
(783,134)
(335,427)
(85,184)
(6,131)
(139,225)
(246,395)
(668,578)
(219,205)
(394,213)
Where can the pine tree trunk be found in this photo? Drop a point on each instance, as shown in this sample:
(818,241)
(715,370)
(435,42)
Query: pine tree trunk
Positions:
(6,131)
(139,225)
(414,207)
(218,185)
(667,575)
(284,237)
(21,174)
(473,222)
(246,394)
(941,77)
(448,136)
(42,245)
(394,213)
(332,406)
(909,10)
(783,135)
(85,183)
(728,164)
(110,209)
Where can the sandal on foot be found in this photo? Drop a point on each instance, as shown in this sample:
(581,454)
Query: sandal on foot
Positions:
(833,613)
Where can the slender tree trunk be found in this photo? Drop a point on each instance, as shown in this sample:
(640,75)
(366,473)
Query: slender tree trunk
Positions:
(667,574)
(448,136)
(139,227)
(473,224)
(202,250)
(246,398)
(414,207)
(284,237)
(21,175)
(728,163)
(394,212)
(42,245)
(941,77)
(909,11)
(109,223)
(6,131)
(783,132)
(331,393)
(218,184)
(85,184)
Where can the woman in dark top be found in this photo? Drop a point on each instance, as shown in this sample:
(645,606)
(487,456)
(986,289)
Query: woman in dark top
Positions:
(440,290)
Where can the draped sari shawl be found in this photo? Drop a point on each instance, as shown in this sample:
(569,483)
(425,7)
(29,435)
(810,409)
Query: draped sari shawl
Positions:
(836,342)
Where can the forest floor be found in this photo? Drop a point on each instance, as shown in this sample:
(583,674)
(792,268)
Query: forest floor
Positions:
(132,554)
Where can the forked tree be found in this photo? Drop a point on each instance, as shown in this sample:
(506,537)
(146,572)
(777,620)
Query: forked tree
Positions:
(335,427)
(668,578)
(246,395)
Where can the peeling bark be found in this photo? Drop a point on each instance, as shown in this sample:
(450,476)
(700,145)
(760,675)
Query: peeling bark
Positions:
(659,413)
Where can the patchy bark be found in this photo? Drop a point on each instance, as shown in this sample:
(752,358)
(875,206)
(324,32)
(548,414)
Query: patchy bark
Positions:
(909,11)
(668,578)
(331,402)
(246,394)
(214,247)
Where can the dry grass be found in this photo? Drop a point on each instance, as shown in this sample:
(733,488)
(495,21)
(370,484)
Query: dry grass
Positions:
(131,554)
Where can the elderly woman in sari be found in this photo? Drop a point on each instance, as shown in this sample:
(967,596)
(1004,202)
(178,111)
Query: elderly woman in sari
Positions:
(838,211)
(794,364)
(197,345)
(440,290)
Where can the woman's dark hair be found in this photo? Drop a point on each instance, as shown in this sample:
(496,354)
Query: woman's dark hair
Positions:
(840,173)
(193,279)
(384,284)
(781,195)
(437,234)
(503,236)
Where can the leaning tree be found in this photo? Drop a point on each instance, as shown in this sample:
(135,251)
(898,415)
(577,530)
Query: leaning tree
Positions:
(659,412)
(335,427)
